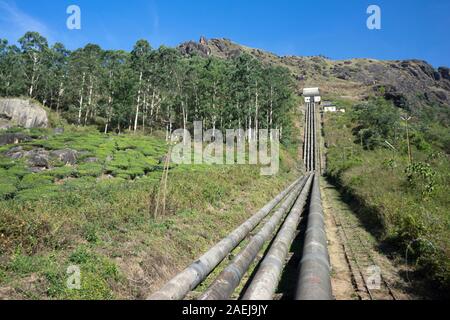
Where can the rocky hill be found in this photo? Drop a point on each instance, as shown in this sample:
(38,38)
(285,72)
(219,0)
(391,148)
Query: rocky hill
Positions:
(409,84)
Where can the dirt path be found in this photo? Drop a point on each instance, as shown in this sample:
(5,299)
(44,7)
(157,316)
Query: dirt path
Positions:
(342,280)
(359,269)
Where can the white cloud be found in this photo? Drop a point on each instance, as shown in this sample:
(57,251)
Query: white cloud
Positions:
(14,22)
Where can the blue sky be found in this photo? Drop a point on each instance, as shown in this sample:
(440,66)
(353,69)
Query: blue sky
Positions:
(337,29)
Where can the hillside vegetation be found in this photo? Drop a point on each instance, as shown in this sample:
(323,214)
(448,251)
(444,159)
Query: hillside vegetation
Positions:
(405,203)
(84,192)
(99,214)
(147,89)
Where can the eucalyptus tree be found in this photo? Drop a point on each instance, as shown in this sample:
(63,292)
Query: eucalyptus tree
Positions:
(140,56)
(279,99)
(168,60)
(55,80)
(3,66)
(160,87)
(93,55)
(117,86)
(257,84)
(60,70)
(242,83)
(85,74)
(216,89)
(12,73)
(34,48)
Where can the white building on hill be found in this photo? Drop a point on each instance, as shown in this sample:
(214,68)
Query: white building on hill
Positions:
(312,94)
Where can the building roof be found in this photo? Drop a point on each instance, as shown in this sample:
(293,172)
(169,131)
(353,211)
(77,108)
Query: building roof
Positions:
(311,92)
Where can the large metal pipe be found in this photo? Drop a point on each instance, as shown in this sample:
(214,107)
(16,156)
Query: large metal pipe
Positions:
(310,137)
(225,284)
(307,137)
(193,275)
(314,280)
(313,139)
(311,145)
(266,280)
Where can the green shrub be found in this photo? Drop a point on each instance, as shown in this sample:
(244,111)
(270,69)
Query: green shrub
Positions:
(422,177)
(377,120)
(19,170)
(124,176)
(81,183)
(41,193)
(7,191)
(6,177)
(90,169)
(25,264)
(62,172)
(6,163)
(35,180)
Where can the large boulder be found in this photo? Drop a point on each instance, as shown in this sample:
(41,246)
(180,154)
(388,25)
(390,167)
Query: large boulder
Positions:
(68,156)
(23,113)
(13,138)
(38,158)
(15,153)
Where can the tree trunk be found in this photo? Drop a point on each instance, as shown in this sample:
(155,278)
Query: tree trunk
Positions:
(250,136)
(138,103)
(60,93)
(184,107)
(144,112)
(256,111)
(33,75)
(81,98)
(214,109)
(109,107)
(88,109)
(271,112)
(109,115)
(152,107)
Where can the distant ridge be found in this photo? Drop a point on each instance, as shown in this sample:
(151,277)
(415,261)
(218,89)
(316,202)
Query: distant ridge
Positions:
(409,84)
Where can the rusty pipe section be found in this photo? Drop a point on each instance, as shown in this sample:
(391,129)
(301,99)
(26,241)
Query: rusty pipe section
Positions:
(225,284)
(314,281)
(193,275)
(266,280)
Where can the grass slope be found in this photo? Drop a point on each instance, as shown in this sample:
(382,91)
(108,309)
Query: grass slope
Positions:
(410,212)
(99,216)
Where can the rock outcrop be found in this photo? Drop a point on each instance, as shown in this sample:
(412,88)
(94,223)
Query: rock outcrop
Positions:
(22,113)
(67,156)
(40,159)
(221,48)
(13,138)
